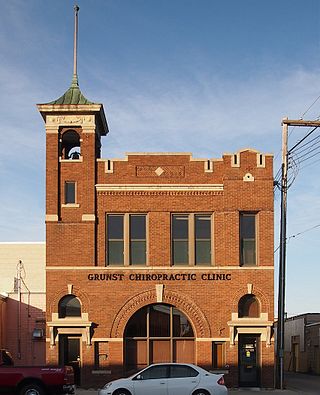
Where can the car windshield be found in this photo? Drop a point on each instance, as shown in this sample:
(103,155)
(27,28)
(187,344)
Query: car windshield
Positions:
(133,375)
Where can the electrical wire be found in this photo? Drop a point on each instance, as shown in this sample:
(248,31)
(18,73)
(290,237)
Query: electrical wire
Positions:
(301,117)
(307,146)
(293,172)
(297,143)
(294,159)
(304,138)
(278,175)
(310,164)
(310,107)
(308,142)
(304,158)
(277,179)
(305,151)
(300,153)
(298,234)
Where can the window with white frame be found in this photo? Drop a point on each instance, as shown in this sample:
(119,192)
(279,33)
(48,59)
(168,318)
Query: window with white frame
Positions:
(191,239)
(126,239)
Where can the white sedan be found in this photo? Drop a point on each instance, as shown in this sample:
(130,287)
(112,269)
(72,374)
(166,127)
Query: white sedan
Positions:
(168,379)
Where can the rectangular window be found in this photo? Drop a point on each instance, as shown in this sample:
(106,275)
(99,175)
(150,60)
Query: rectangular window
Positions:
(126,239)
(101,351)
(180,239)
(247,238)
(202,239)
(218,355)
(191,239)
(70,192)
(115,245)
(137,239)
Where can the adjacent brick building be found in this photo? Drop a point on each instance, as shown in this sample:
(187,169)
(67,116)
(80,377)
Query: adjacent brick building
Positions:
(3,306)
(23,301)
(156,256)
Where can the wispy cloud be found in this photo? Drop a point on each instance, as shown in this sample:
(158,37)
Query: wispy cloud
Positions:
(201,111)
(207,117)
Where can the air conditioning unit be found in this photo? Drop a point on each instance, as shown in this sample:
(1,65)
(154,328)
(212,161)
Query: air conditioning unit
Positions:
(37,333)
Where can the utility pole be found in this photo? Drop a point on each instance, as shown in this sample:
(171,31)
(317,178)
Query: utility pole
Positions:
(283,239)
(282,259)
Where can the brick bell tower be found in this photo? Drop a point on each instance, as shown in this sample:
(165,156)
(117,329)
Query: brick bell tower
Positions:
(74,126)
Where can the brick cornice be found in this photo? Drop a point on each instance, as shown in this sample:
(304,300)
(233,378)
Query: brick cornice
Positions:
(160,193)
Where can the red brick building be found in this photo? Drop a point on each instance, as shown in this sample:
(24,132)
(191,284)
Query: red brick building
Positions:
(156,256)
(3,299)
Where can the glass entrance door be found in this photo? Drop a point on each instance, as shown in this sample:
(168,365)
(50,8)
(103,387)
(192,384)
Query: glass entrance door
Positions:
(69,354)
(249,366)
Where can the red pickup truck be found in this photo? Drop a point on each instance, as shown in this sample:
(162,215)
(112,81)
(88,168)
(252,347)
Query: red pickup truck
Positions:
(34,380)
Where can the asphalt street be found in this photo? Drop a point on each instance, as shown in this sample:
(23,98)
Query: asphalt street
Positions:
(80,391)
(304,384)
(296,384)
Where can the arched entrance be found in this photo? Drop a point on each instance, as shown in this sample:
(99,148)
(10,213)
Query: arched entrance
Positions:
(70,344)
(158,333)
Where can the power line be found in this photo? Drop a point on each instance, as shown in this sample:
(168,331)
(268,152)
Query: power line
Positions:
(311,152)
(304,146)
(277,178)
(310,164)
(301,117)
(306,154)
(300,153)
(305,137)
(278,175)
(298,234)
(304,158)
(310,106)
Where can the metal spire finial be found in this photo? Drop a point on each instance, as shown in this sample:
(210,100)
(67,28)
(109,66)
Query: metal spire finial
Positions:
(75,46)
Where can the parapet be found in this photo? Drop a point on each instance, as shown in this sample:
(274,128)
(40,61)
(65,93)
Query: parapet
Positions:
(172,167)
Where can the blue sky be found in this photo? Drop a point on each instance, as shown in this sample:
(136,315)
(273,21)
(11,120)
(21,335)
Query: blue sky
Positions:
(197,76)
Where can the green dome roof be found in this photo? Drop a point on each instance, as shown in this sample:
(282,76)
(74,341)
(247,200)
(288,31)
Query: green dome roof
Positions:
(73,95)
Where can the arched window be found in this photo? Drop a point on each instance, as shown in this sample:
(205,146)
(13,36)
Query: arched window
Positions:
(69,306)
(249,307)
(70,145)
(158,333)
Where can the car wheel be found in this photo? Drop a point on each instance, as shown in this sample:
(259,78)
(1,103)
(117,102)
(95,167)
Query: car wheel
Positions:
(32,389)
(200,392)
(121,392)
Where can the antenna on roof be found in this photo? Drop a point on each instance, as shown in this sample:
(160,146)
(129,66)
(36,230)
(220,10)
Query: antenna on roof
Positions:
(75,46)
